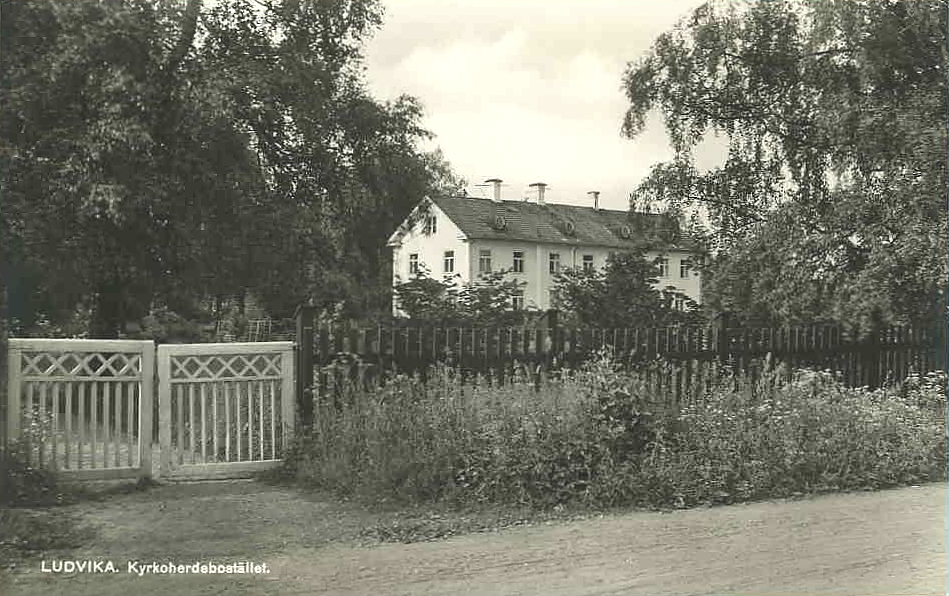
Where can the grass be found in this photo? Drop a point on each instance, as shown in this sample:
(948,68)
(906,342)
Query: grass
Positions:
(599,437)
(25,533)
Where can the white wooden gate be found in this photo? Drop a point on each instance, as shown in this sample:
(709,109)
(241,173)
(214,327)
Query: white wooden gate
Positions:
(224,410)
(82,407)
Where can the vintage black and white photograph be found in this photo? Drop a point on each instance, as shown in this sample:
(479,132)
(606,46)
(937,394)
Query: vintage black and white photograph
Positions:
(484,297)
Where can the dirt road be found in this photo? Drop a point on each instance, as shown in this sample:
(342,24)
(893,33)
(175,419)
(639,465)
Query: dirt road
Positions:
(889,542)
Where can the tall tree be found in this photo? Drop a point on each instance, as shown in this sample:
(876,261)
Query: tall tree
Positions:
(830,203)
(119,177)
(170,153)
(625,293)
(342,167)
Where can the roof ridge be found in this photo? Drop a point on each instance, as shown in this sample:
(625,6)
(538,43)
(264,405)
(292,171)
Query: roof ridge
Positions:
(523,202)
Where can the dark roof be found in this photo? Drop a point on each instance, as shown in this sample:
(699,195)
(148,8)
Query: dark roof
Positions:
(551,223)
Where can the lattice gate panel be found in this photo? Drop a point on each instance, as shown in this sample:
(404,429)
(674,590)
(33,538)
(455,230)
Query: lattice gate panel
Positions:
(225,409)
(82,407)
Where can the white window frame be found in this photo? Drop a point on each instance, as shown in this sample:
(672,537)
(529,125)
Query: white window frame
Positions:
(413,263)
(663,264)
(518,260)
(449,261)
(431,224)
(517,301)
(484,260)
(553,262)
(685,268)
(588,263)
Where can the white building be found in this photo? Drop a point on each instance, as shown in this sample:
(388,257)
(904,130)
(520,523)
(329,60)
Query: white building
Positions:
(462,237)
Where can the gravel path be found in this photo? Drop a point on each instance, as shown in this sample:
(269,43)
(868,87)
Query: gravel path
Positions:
(887,542)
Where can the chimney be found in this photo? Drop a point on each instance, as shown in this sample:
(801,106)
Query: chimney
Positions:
(496,184)
(595,195)
(540,187)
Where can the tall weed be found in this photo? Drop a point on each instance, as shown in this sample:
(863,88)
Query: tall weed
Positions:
(600,436)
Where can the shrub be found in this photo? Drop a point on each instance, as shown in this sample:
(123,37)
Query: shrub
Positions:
(22,481)
(600,436)
(769,438)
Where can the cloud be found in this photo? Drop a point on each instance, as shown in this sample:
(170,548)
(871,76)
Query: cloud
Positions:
(527,90)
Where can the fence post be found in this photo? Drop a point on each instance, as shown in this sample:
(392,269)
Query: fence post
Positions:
(723,345)
(304,368)
(873,352)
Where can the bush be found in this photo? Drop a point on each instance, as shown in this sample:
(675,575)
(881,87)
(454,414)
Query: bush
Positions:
(22,482)
(599,436)
(769,438)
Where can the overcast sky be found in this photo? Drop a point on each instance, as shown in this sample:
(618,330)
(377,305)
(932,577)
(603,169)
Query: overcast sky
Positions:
(527,90)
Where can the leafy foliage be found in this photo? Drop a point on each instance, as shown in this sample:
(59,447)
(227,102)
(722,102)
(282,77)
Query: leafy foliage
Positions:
(622,294)
(831,201)
(173,155)
(600,436)
(487,300)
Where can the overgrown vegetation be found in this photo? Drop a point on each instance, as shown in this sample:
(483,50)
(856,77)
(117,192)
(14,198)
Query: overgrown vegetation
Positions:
(24,487)
(597,438)
(487,300)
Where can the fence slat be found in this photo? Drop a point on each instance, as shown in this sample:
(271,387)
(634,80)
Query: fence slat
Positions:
(80,447)
(192,431)
(227,421)
(94,410)
(237,413)
(250,421)
(54,424)
(106,422)
(119,416)
(131,388)
(204,418)
(260,406)
(273,418)
(214,439)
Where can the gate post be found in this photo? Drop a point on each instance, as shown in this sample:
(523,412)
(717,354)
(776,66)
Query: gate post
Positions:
(304,369)
(13,407)
(146,404)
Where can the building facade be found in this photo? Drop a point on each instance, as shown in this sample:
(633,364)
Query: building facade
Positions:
(463,237)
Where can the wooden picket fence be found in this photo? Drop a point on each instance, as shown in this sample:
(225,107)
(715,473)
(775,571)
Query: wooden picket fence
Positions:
(678,359)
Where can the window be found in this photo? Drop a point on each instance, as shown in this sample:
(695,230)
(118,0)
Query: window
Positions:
(517,301)
(685,267)
(588,262)
(484,261)
(555,262)
(431,224)
(663,265)
(518,261)
(554,298)
(678,302)
(449,261)
(413,264)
